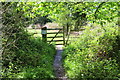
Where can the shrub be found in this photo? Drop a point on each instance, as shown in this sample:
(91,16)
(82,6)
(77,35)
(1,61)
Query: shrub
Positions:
(31,58)
(94,55)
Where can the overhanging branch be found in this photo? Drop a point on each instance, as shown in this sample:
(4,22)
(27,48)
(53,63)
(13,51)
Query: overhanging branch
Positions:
(98,9)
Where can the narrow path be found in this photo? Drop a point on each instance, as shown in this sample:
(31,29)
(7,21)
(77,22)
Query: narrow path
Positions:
(59,71)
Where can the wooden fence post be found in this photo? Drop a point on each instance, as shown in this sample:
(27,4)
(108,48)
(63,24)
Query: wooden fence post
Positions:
(64,35)
(44,34)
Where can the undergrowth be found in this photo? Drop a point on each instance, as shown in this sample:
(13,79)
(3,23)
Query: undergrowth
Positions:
(94,56)
(29,58)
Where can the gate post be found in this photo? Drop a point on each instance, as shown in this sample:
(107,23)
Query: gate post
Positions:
(44,34)
(64,35)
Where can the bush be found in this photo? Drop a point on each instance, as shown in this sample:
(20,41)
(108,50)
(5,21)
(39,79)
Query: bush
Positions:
(94,55)
(31,58)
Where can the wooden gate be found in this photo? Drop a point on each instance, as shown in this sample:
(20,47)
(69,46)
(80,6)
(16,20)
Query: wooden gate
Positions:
(55,35)
(65,39)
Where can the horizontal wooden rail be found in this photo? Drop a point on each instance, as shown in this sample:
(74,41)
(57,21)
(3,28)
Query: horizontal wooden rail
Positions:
(59,44)
(56,37)
(74,37)
(54,32)
(55,41)
(54,28)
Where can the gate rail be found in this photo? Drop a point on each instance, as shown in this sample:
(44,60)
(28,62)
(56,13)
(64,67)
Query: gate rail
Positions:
(45,33)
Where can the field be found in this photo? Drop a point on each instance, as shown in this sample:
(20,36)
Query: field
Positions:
(37,33)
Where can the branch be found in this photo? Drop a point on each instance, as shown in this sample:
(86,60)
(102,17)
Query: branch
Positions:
(98,9)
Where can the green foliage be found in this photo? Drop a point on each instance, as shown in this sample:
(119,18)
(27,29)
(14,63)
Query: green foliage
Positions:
(27,57)
(38,72)
(23,56)
(94,55)
(72,13)
(32,59)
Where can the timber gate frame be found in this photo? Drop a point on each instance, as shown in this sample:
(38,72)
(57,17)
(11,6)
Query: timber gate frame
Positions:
(56,31)
(64,37)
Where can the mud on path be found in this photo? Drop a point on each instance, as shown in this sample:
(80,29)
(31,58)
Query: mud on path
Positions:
(58,68)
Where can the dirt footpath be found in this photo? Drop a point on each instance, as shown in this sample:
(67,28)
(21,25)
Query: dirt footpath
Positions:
(58,68)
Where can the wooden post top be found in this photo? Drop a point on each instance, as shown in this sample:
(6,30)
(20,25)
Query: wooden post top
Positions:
(44,28)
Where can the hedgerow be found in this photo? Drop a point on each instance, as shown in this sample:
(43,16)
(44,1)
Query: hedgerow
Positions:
(31,59)
(95,55)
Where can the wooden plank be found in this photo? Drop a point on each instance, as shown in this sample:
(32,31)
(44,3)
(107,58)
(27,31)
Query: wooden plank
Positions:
(54,32)
(55,37)
(55,41)
(59,44)
(54,28)
(74,37)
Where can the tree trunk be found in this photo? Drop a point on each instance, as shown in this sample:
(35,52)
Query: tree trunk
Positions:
(76,28)
(67,30)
